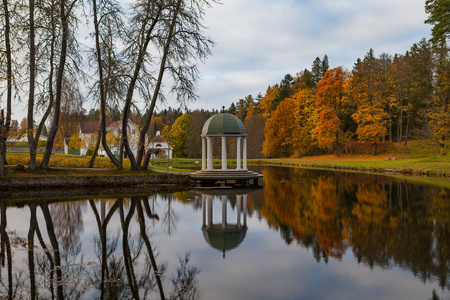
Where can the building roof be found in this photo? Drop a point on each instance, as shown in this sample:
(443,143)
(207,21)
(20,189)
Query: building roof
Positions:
(224,124)
(114,124)
(89,127)
(158,139)
(92,127)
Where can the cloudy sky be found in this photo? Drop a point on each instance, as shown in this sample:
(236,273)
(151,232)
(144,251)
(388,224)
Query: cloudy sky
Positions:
(259,41)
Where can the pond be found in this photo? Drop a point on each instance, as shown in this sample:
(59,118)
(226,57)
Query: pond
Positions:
(306,234)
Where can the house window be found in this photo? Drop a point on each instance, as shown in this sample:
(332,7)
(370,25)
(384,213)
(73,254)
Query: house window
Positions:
(158,146)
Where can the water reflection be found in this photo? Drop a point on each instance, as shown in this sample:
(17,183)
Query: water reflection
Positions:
(300,228)
(224,236)
(126,264)
(384,222)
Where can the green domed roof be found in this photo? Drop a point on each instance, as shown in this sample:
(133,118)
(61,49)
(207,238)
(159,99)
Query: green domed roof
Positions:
(224,240)
(224,124)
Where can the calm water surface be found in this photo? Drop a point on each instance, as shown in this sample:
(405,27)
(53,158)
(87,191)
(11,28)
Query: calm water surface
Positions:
(305,235)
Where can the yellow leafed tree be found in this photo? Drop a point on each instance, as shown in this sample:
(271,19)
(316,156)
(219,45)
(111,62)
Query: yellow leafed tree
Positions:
(269,103)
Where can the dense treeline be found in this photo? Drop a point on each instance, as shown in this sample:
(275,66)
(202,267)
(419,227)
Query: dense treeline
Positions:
(385,98)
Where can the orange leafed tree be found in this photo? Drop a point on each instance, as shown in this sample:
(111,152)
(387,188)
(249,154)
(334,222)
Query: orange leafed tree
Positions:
(331,104)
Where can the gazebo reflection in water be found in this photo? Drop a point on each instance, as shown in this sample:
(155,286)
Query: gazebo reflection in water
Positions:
(224,236)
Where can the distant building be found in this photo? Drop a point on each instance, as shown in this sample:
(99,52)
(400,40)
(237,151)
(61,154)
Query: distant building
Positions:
(89,131)
(159,147)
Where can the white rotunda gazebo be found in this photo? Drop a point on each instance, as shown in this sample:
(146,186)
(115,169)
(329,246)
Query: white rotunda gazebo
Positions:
(224,126)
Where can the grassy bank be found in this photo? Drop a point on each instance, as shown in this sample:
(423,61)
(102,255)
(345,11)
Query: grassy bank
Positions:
(421,157)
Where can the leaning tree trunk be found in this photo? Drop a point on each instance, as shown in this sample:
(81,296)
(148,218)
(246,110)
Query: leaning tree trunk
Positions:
(126,111)
(62,62)
(50,82)
(162,67)
(97,146)
(102,131)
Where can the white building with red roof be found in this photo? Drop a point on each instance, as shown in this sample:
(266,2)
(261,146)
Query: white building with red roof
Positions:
(160,147)
(89,132)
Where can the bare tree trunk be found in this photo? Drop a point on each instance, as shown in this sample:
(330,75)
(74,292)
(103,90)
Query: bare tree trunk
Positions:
(97,146)
(30,120)
(9,76)
(375,149)
(50,81)
(102,131)
(2,144)
(59,79)
(162,67)
(126,110)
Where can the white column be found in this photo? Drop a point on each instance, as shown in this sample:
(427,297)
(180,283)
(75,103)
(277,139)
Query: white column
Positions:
(245,154)
(203,210)
(238,206)
(209,153)
(210,211)
(245,210)
(238,154)
(203,153)
(224,212)
(224,153)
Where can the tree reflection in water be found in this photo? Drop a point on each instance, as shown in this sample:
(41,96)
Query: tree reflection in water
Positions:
(55,269)
(381,220)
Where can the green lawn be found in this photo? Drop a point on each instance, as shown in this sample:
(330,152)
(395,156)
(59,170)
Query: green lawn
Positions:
(420,156)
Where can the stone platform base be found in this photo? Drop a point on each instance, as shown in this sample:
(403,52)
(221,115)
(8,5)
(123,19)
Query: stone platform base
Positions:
(226,178)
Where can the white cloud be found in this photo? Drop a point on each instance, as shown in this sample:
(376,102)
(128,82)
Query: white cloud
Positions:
(259,41)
